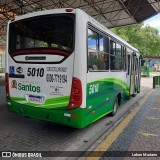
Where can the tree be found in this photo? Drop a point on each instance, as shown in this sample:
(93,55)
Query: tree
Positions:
(145,38)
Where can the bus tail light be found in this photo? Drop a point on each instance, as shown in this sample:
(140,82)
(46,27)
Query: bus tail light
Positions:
(76,94)
(7,85)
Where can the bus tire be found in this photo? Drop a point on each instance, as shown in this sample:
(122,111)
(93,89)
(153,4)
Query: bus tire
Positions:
(115,107)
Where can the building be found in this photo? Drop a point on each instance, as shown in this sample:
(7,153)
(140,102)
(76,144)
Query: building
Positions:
(2,59)
(157,67)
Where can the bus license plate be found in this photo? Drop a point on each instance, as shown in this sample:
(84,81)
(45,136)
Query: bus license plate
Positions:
(36,99)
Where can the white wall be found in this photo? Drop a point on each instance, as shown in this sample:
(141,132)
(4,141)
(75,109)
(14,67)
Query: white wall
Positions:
(2,52)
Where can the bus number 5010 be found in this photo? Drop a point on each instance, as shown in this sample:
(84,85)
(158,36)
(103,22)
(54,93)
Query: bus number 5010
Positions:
(35,72)
(93,88)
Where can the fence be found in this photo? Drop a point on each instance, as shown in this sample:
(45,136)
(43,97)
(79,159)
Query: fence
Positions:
(156,81)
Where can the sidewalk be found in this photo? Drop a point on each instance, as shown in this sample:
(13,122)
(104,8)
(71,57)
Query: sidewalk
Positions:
(142,133)
(138,132)
(146,127)
(147,82)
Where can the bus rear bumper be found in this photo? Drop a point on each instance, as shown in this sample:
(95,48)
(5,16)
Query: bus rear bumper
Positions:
(72,118)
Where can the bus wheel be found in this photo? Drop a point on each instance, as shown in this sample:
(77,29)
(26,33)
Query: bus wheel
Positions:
(113,113)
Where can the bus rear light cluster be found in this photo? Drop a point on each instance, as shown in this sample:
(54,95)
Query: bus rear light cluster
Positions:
(71,115)
(7,85)
(76,94)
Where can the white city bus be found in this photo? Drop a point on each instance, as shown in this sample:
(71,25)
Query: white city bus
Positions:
(65,67)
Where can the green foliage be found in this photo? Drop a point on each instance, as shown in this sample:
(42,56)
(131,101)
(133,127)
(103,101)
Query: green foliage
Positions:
(145,38)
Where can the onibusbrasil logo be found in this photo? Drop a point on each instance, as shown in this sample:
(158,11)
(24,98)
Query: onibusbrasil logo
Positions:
(25,87)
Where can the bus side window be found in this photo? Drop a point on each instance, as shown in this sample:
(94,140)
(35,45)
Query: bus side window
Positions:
(124,58)
(98,51)
(137,63)
(106,55)
(112,55)
(103,57)
(128,68)
(92,49)
(116,56)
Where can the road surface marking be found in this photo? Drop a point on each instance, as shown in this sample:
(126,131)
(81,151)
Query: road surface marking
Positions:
(154,118)
(148,134)
(155,108)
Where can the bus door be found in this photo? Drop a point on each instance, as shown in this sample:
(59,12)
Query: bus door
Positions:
(138,74)
(133,74)
(136,78)
(128,69)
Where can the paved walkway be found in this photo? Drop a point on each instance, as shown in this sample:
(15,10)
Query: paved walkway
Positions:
(143,131)
(147,82)
(145,127)
(138,132)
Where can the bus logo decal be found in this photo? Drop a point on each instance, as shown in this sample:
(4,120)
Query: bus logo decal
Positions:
(19,70)
(11,69)
(14,84)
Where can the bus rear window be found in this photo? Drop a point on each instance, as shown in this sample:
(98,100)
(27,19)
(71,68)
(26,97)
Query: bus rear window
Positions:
(51,31)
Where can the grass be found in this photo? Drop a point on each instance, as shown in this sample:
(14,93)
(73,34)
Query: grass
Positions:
(158,73)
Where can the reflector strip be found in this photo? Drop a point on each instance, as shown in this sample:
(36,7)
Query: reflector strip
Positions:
(67,115)
(41,51)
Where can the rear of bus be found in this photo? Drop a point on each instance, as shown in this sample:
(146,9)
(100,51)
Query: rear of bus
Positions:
(40,80)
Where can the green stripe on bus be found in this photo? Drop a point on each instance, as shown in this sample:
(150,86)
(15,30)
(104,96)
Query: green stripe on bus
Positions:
(50,103)
(18,99)
(123,84)
(58,99)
